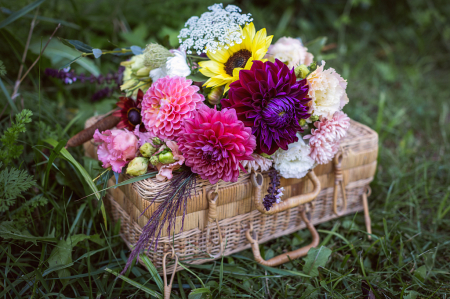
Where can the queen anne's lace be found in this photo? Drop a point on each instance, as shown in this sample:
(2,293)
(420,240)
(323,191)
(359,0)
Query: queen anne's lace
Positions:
(214,30)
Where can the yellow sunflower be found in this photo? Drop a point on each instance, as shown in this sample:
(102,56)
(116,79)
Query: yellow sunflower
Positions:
(225,64)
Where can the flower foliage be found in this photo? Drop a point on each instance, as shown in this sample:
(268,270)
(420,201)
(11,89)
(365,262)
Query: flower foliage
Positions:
(269,99)
(214,142)
(213,30)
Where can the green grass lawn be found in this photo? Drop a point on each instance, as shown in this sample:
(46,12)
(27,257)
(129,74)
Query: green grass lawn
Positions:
(395,56)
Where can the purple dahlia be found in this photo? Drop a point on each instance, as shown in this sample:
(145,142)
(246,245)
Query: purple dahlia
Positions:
(269,99)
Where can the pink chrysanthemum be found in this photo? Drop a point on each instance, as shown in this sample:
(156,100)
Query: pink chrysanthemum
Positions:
(324,141)
(214,142)
(259,162)
(167,102)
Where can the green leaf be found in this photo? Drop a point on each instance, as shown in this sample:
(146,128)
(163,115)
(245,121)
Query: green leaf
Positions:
(317,257)
(421,273)
(69,63)
(10,101)
(152,269)
(316,45)
(136,284)
(76,44)
(20,13)
(53,155)
(41,18)
(199,293)
(9,230)
(85,175)
(96,239)
(58,54)
(61,255)
(199,77)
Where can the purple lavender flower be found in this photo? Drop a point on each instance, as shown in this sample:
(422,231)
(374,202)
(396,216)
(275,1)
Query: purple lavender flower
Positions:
(180,189)
(268,99)
(68,76)
(275,194)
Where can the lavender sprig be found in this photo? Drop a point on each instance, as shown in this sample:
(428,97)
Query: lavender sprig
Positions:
(275,193)
(180,188)
(68,76)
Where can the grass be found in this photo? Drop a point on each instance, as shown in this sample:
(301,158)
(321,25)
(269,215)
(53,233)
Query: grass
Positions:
(395,57)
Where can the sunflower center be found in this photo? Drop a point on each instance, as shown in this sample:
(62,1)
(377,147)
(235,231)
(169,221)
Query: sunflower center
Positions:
(239,59)
(134,116)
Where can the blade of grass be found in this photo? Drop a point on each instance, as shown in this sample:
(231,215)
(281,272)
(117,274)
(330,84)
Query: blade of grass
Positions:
(20,13)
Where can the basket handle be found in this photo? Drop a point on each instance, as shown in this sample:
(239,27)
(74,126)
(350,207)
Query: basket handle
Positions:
(285,257)
(212,217)
(338,180)
(257,180)
(168,287)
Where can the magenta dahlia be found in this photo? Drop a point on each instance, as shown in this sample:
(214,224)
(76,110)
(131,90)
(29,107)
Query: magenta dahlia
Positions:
(214,142)
(167,103)
(269,99)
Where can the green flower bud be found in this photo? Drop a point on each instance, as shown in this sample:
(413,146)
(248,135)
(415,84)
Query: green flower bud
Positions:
(302,122)
(156,141)
(138,166)
(314,118)
(166,158)
(143,72)
(138,62)
(154,160)
(215,95)
(301,71)
(147,150)
(155,56)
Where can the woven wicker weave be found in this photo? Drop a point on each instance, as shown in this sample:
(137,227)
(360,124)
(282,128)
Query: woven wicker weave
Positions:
(235,206)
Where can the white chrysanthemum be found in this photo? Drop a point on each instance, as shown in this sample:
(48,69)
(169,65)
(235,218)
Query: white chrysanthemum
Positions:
(327,91)
(295,162)
(175,66)
(214,30)
(259,163)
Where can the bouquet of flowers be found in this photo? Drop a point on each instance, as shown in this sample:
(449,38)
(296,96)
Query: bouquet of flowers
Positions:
(228,100)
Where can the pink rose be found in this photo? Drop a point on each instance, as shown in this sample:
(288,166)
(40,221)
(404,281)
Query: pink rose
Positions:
(117,148)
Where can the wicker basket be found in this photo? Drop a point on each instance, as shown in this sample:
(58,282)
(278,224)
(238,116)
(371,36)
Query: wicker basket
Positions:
(225,219)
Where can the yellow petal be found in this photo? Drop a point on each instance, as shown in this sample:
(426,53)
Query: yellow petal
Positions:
(220,55)
(269,41)
(207,72)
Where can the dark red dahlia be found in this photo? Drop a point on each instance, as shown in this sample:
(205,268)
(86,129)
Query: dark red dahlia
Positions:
(269,99)
(130,112)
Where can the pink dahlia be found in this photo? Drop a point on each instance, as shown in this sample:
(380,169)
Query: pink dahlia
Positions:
(167,102)
(214,142)
(117,148)
(324,140)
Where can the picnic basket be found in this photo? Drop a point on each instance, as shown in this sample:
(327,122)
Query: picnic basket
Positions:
(228,217)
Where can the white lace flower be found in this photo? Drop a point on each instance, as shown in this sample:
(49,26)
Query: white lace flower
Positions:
(214,30)
(295,162)
(175,66)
